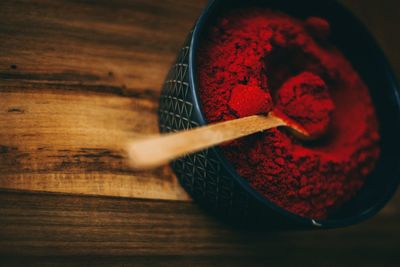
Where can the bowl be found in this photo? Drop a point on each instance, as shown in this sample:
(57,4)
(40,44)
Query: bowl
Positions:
(213,182)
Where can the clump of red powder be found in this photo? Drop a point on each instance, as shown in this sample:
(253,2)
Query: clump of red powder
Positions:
(247,100)
(305,99)
(256,60)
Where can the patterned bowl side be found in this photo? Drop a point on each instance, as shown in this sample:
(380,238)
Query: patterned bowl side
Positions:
(201,174)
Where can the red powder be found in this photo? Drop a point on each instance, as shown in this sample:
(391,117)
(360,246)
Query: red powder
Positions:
(257,59)
(305,98)
(318,27)
(249,100)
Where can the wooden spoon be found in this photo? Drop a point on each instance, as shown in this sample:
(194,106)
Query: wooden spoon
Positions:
(160,149)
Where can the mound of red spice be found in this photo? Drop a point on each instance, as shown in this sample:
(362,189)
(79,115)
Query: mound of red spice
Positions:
(255,60)
(247,100)
(305,99)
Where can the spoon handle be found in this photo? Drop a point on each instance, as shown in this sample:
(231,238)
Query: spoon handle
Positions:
(159,149)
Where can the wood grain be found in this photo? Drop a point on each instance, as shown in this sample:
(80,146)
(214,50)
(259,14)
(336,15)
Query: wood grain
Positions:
(79,79)
(60,229)
(69,142)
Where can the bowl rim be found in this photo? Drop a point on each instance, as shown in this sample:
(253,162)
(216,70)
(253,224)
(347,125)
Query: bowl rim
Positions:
(325,223)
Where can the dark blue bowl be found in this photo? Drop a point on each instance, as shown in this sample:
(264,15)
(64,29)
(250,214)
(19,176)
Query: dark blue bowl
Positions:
(213,182)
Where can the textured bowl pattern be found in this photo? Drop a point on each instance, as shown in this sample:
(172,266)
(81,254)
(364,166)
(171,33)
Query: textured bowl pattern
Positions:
(201,173)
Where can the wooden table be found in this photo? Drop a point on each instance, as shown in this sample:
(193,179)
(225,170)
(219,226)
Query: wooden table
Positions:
(77,79)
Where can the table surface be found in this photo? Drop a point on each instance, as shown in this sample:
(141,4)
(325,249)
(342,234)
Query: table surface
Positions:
(78,79)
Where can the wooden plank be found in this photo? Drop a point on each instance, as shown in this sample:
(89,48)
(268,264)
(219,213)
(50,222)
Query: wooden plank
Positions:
(123,44)
(67,142)
(44,227)
(76,79)
(79,79)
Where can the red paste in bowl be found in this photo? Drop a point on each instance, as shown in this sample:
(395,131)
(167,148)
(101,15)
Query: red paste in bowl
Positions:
(257,60)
